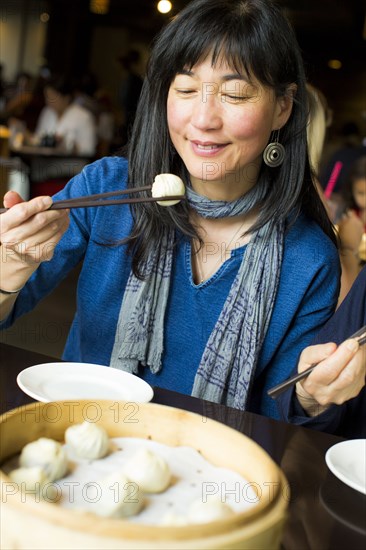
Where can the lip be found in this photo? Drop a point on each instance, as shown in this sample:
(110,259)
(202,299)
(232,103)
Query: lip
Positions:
(207,148)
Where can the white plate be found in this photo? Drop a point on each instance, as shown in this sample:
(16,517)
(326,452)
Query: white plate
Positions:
(65,381)
(347,461)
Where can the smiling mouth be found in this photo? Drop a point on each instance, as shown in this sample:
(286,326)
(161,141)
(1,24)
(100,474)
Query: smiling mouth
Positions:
(207,147)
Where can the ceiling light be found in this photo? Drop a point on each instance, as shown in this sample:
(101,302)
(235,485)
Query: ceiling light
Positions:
(164,6)
(44,17)
(101,7)
(334,64)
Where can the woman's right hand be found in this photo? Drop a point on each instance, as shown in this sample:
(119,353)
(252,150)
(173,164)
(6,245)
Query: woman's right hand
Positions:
(338,376)
(29,233)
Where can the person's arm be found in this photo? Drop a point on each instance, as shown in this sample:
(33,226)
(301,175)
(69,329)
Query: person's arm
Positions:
(339,376)
(29,233)
(350,230)
(332,418)
(98,177)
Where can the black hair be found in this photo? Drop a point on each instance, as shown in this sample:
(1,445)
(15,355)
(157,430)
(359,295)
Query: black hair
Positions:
(61,84)
(253,35)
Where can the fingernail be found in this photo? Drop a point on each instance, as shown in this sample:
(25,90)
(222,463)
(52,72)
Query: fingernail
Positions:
(47,201)
(352,345)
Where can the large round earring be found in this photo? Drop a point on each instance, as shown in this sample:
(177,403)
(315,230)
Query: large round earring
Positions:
(274,153)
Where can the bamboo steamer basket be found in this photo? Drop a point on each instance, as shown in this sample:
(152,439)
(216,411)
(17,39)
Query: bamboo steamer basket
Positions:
(27,524)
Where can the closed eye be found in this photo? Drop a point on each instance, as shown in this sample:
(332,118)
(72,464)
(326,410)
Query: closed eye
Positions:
(234,98)
(185,91)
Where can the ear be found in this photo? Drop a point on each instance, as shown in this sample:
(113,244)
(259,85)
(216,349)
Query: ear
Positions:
(284,105)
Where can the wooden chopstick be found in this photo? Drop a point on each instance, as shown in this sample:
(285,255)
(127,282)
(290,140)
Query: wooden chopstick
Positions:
(109,194)
(360,335)
(62,205)
(96,200)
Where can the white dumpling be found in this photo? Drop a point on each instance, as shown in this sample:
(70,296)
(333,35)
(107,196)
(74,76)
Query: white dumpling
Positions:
(118,497)
(166,185)
(48,455)
(35,481)
(149,471)
(30,479)
(87,440)
(211,510)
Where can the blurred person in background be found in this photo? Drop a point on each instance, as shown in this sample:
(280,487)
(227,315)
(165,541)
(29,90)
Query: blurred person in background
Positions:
(334,176)
(17,97)
(68,125)
(320,118)
(34,107)
(352,225)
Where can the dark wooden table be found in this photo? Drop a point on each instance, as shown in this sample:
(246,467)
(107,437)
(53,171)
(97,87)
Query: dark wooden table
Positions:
(323,512)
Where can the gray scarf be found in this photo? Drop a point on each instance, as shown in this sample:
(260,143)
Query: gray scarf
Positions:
(228,363)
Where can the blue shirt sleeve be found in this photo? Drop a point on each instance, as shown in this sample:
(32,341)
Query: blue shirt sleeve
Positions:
(95,178)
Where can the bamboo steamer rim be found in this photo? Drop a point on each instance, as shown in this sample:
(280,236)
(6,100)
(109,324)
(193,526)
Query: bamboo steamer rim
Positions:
(109,527)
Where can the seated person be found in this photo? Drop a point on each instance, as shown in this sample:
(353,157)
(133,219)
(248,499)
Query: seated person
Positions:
(333,397)
(71,125)
(65,126)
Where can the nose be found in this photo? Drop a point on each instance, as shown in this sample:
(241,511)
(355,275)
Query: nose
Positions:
(206,114)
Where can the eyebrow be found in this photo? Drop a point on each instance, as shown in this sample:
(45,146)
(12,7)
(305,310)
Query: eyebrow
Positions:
(225,78)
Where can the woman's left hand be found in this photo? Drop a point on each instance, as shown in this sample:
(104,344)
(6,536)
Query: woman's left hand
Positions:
(339,376)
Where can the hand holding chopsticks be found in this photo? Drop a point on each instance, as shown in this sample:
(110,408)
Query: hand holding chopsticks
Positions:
(360,336)
(109,199)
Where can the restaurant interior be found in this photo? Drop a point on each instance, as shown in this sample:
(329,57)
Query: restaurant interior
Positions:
(303,499)
(91,41)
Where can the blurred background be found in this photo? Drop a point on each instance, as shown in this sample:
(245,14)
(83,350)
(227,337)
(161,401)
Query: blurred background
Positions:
(90,38)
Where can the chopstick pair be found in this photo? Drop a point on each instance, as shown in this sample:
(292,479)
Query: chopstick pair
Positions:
(105,199)
(360,336)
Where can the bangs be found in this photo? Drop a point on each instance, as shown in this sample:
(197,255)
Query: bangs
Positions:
(222,34)
(221,49)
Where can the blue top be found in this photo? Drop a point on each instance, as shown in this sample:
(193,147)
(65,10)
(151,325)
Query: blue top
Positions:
(306,298)
(349,419)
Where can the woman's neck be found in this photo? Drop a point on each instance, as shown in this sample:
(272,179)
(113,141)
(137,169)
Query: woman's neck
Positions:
(228,231)
(229,188)
(219,236)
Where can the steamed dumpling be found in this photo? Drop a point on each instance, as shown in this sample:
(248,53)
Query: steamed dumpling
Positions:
(166,185)
(35,481)
(149,471)
(211,510)
(119,497)
(31,479)
(87,440)
(48,455)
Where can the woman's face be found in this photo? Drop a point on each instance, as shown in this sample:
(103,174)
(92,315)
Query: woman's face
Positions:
(220,124)
(359,192)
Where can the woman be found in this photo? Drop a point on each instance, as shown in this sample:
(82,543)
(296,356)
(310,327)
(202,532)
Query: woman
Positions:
(333,397)
(221,292)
